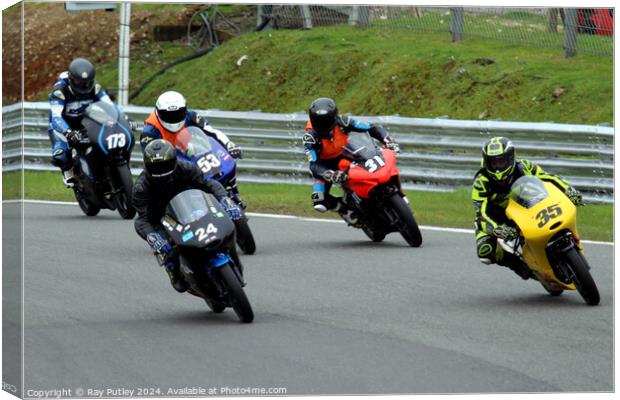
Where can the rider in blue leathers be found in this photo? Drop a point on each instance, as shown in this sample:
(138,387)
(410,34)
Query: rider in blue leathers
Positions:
(74,91)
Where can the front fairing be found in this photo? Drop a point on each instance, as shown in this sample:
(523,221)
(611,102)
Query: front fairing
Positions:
(540,210)
(108,131)
(195,220)
(211,157)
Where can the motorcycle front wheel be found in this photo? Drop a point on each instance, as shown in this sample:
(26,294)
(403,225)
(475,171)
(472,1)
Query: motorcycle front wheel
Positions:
(582,278)
(406,223)
(245,239)
(236,295)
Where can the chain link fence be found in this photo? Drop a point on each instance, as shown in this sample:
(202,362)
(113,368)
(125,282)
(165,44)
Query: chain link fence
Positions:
(588,30)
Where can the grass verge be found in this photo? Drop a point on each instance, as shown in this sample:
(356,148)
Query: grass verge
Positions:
(436,209)
(384,72)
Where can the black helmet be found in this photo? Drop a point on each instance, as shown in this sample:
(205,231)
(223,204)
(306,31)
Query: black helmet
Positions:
(160,159)
(323,114)
(498,159)
(81,76)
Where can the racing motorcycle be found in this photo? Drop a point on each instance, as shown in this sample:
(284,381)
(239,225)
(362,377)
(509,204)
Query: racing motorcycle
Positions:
(101,156)
(216,163)
(548,241)
(205,240)
(373,191)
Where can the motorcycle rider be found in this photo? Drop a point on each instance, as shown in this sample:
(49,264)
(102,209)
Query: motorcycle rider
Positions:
(74,91)
(163,178)
(491,187)
(171,115)
(326,134)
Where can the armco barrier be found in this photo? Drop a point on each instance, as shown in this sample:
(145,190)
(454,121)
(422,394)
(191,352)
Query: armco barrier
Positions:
(437,154)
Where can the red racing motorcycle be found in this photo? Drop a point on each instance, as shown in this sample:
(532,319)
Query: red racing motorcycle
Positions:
(373,191)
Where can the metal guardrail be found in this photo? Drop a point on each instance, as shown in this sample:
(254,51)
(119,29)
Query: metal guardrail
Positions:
(437,154)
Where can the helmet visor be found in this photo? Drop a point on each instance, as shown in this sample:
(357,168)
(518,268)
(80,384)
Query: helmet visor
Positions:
(172,117)
(499,163)
(160,169)
(323,124)
(82,86)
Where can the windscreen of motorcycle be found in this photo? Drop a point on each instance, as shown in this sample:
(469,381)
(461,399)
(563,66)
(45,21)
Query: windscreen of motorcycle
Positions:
(191,205)
(528,191)
(102,112)
(192,142)
(360,147)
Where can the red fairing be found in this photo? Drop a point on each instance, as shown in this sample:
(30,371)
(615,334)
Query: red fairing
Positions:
(362,182)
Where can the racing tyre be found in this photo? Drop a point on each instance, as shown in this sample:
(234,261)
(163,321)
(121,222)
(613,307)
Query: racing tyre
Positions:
(86,205)
(406,224)
(374,236)
(123,197)
(582,278)
(245,239)
(236,295)
(215,306)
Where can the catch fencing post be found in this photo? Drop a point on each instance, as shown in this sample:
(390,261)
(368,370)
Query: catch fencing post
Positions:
(305,13)
(570,32)
(123,54)
(359,16)
(457,23)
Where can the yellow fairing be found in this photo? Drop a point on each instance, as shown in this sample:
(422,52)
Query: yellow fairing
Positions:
(538,224)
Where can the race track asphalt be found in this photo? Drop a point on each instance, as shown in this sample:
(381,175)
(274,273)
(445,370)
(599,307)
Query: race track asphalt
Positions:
(335,314)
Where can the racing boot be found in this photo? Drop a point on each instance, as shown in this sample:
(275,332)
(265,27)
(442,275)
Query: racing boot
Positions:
(68,178)
(176,278)
(516,265)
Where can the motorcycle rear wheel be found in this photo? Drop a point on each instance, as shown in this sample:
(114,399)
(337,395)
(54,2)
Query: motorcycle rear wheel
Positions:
(86,205)
(406,224)
(245,239)
(215,306)
(236,295)
(374,236)
(582,278)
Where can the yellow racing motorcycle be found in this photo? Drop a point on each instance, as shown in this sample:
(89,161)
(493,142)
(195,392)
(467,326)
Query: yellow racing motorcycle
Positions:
(548,241)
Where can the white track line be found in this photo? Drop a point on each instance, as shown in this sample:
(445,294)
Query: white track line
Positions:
(280,216)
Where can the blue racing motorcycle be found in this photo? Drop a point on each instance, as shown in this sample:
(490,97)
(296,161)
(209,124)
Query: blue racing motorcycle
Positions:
(204,237)
(216,163)
(102,151)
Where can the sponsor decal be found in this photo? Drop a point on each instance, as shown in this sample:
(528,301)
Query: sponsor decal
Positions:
(188,235)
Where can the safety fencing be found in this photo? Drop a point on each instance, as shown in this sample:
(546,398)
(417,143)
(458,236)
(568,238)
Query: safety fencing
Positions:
(437,154)
(588,30)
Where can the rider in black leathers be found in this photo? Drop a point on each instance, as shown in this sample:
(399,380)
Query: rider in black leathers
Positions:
(163,178)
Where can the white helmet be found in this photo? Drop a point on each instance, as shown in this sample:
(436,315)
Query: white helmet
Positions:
(171,110)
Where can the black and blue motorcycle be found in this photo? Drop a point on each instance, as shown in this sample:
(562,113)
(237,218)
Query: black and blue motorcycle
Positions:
(204,237)
(216,163)
(101,161)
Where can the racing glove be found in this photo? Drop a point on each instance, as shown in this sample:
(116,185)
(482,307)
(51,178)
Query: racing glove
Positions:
(335,176)
(505,232)
(575,196)
(73,136)
(392,145)
(234,150)
(231,208)
(159,245)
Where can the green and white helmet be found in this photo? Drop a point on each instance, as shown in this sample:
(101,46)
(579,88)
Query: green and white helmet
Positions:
(498,159)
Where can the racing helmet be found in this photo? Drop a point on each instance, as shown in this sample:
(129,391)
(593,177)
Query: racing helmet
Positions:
(323,115)
(160,160)
(171,110)
(81,76)
(498,159)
